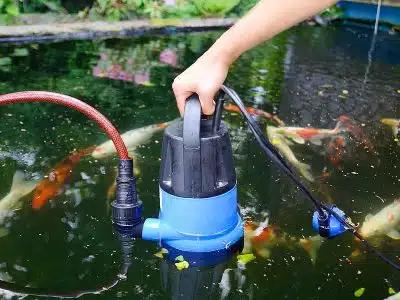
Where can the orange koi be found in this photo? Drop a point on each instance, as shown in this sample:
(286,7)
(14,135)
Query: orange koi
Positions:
(336,150)
(51,186)
(255,112)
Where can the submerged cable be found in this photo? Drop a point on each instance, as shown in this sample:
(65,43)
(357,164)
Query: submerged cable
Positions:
(275,156)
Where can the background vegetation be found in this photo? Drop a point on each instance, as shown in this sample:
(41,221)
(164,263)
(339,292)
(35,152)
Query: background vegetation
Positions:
(114,10)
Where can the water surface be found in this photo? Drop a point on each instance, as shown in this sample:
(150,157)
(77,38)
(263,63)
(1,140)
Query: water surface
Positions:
(308,76)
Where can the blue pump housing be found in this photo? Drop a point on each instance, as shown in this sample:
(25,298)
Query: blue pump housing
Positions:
(198,216)
(329,226)
(206,228)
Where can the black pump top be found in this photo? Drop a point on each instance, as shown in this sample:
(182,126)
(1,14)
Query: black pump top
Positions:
(197,159)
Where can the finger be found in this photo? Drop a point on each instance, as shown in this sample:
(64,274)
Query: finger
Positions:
(181,92)
(207,103)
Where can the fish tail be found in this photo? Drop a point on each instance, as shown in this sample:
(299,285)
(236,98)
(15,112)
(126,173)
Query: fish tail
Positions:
(166,124)
(312,245)
(305,170)
(23,186)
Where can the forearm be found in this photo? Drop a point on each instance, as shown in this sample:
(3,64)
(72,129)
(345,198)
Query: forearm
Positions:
(262,22)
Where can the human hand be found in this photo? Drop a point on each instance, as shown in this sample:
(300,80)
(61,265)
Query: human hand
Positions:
(205,77)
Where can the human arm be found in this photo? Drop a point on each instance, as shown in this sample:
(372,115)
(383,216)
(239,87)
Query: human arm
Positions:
(266,19)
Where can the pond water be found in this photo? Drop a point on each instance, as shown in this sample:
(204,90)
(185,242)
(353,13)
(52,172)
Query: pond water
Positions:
(308,76)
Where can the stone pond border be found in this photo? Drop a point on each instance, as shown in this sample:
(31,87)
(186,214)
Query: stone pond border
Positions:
(90,30)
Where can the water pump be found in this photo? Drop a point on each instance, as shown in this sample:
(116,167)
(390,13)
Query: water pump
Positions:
(198,216)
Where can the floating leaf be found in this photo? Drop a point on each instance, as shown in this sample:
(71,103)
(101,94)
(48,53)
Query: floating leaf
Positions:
(161,253)
(20,52)
(391,291)
(147,83)
(182,265)
(245,258)
(179,258)
(5,61)
(359,292)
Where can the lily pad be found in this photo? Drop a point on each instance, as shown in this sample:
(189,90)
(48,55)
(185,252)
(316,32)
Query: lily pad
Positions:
(359,292)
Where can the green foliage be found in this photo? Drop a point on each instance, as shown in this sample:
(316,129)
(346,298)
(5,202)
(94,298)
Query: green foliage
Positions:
(243,7)
(10,8)
(115,9)
(333,12)
(215,8)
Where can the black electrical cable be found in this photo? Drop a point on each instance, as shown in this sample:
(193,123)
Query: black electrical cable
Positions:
(275,156)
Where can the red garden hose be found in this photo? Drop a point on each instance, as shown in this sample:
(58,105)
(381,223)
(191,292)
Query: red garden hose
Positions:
(86,109)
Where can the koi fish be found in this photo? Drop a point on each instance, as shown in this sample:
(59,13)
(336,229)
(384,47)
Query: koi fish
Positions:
(52,185)
(282,144)
(10,202)
(255,112)
(315,136)
(336,150)
(395,124)
(262,239)
(19,188)
(132,139)
(393,297)
(351,127)
(383,223)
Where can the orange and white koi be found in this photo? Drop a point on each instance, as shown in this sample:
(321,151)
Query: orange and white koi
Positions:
(263,238)
(255,112)
(315,136)
(132,139)
(52,185)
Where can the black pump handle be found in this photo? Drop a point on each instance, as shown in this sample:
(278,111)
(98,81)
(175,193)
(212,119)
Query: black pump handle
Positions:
(191,146)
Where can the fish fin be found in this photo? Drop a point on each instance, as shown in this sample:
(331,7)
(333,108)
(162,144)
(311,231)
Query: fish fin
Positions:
(316,142)
(367,217)
(305,170)
(263,252)
(395,130)
(22,186)
(4,232)
(298,140)
(312,245)
(393,234)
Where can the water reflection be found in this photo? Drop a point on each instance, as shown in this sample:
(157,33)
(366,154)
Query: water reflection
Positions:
(135,64)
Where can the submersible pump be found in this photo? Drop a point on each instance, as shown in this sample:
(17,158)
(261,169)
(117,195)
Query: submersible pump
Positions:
(198,216)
